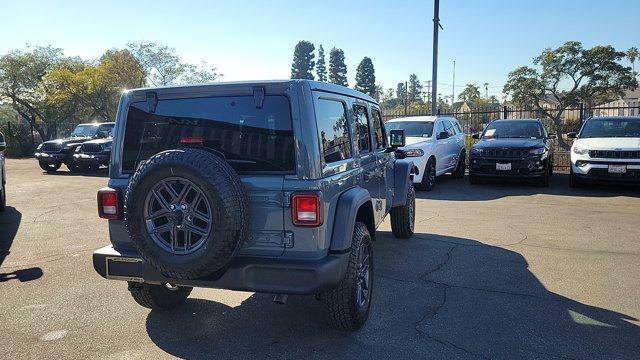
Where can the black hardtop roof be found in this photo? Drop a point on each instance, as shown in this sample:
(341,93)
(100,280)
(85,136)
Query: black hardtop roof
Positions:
(615,118)
(270,85)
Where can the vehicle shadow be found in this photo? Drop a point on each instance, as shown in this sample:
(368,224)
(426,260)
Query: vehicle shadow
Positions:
(102,172)
(435,297)
(9,223)
(450,188)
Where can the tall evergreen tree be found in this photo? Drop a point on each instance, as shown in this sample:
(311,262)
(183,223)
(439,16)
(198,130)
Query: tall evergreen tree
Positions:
(303,61)
(366,77)
(321,69)
(415,88)
(401,91)
(337,67)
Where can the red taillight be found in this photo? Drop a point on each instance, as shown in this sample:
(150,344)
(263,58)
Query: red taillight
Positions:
(306,210)
(191,140)
(108,204)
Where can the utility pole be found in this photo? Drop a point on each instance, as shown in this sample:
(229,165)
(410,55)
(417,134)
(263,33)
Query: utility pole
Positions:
(453,95)
(428,91)
(486,90)
(434,76)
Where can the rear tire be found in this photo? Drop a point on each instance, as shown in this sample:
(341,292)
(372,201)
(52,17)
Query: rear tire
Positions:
(458,173)
(158,297)
(49,167)
(403,218)
(429,177)
(348,304)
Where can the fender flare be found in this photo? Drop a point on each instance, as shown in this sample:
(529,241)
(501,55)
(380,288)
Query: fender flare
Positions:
(402,171)
(345,219)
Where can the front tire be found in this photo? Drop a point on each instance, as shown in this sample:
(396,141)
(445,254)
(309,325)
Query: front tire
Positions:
(574,182)
(429,177)
(474,179)
(403,218)
(49,167)
(158,297)
(348,304)
(73,166)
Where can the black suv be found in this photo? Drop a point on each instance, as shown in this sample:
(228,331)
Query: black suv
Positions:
(53,153)
(274,187)
(93,154)
(516,149)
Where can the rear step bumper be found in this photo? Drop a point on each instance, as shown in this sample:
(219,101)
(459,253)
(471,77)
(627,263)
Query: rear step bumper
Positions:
(278,276)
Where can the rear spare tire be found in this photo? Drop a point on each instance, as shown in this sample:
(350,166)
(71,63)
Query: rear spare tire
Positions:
(186,213)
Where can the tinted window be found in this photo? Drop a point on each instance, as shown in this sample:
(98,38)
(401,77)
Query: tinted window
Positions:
(378,131)
(1,138)
(513,129)
(363,135)
(108,128)
(333,131)
(611,127)
(84,130)
(412,128)
(252,140)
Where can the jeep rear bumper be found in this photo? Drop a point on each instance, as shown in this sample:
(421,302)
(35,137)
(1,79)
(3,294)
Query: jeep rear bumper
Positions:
(278,276)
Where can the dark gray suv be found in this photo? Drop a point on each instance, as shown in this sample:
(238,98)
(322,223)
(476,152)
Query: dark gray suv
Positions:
(273,187)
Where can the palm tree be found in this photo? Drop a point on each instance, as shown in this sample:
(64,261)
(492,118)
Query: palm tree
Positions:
(632,55)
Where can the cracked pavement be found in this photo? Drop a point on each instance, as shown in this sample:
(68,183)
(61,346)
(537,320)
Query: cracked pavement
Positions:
(498,271)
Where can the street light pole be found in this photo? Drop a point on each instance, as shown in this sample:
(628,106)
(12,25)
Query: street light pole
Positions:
(434,76)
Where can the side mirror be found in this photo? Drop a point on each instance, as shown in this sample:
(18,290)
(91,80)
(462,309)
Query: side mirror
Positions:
(476,136)
(572,135)
(552,136)
(396,138)
(442,135)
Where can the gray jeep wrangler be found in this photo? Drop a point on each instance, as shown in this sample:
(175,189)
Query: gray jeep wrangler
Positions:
(273,187)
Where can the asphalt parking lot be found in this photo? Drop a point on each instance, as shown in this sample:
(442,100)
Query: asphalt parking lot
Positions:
(494,271)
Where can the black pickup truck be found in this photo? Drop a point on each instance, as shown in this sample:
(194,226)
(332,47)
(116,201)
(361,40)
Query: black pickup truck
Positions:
(53,153)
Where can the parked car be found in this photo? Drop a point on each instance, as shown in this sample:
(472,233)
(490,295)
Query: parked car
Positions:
(435,144)
(52,154)
(606,148)
(273,187)
(3,174)
(514,148)
(93,154)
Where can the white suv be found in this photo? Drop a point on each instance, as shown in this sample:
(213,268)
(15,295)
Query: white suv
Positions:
(435,144)
(607,148)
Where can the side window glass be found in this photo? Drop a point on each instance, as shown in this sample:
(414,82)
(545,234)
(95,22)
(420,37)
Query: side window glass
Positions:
(449,128)
(363,135)
(333,131)
(439,128)
(458,129)
(379,138)
(1,138)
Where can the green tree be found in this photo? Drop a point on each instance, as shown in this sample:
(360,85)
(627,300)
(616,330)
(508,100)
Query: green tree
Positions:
(366,77)
(303,63)
(632,55)
(337,67)
(401,91)
(21,74)
(415,88)
(471,92)
(593,75)
(200,74)
(321,68)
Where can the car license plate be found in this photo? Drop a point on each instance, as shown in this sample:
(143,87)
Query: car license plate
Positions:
(503,167)
(617,169)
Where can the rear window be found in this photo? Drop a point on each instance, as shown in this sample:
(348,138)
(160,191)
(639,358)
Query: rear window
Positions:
(252,140)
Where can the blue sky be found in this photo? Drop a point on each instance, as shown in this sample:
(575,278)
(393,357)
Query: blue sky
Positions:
(254,39)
